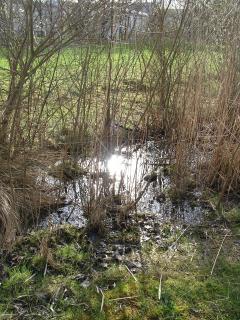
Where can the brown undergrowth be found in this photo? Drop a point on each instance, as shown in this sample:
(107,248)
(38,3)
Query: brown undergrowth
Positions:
(24,194)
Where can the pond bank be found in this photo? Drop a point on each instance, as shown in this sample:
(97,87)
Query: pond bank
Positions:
(54,274)
(166,258)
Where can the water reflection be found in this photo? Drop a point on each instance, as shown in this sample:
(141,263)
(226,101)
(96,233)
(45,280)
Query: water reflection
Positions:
(127,170)
(124,172)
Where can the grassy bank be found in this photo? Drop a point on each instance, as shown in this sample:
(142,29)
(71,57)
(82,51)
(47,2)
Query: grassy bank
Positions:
(195,274)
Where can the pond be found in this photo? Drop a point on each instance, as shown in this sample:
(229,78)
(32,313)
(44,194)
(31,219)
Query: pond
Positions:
(138,174)
(124,174)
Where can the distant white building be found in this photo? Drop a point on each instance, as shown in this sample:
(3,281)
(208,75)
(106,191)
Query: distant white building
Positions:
(127,26)
(126,22)
(117,21)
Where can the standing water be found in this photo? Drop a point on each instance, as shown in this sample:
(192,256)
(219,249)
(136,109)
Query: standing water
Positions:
(127,171)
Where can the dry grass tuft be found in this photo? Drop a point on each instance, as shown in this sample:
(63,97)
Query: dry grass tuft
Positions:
(225,168)
(23,198)
(9,220)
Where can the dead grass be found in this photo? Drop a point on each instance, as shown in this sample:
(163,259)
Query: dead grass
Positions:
(24,197)
(8,217)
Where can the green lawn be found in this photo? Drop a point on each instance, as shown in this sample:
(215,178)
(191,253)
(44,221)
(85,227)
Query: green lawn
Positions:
(72,87)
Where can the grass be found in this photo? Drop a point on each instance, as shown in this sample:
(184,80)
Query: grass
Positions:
(188,291)
(3,59)
(81,79)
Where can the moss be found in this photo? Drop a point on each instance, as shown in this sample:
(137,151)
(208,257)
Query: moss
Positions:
(38,262)
(188,290)
(52,285)
(74,313)
(130,312)
(124,289)
(18,281)
(71,253)
(68,234)
(114,274)
(5,314)
(232,215)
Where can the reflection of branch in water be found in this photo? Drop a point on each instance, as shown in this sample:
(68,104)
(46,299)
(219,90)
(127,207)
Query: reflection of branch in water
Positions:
(121,185)
(130,206)
(71,212)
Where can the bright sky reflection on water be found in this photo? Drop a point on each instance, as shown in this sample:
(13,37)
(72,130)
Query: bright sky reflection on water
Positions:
(124,172)
(116,165)
(127,169)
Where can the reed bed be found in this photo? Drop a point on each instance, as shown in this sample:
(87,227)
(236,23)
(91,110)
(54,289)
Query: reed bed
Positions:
(71,95)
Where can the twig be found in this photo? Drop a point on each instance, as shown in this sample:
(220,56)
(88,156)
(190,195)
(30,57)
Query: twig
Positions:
(30,278)
(55,299)
(131,273)
(45,269)
(160,288)
(220,248)
(103,298)
(123,298)
(176,241)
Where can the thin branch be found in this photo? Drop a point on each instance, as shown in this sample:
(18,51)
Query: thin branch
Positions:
(219,250)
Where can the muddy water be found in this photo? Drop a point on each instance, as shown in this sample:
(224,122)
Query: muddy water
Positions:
(127,171)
